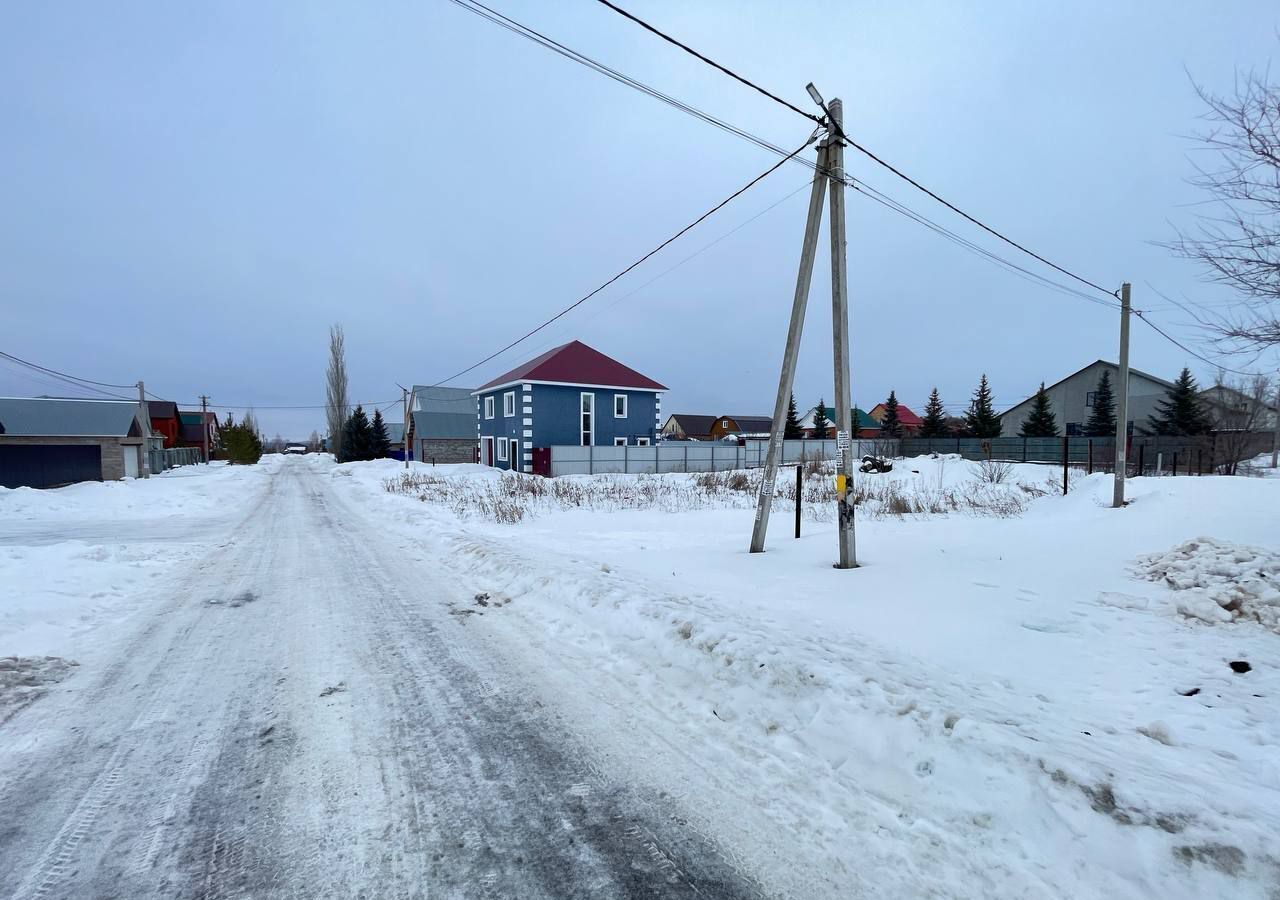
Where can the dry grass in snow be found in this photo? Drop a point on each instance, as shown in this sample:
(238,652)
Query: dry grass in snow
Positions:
(509,497)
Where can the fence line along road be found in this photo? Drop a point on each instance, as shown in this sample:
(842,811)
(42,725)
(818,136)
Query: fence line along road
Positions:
(1186,455)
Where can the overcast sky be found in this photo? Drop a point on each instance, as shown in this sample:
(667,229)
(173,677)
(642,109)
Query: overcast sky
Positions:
(192,193)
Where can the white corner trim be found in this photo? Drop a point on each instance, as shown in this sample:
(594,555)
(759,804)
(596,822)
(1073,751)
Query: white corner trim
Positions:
(528,388)
(528,410)
(528,422)
(528,432)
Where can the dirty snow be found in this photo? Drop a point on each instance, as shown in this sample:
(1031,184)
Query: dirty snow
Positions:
(1216,581)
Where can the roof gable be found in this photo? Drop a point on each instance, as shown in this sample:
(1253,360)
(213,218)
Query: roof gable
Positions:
(905,415)
(576,363)
(41,417)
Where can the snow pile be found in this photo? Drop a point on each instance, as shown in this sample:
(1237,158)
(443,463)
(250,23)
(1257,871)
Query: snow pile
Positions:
(1217,581)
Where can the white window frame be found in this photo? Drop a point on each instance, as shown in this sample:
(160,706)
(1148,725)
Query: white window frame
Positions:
(488,407)
(642,442)
(626,403)
(619,442)
(582,432)
(509,404)
(502,449)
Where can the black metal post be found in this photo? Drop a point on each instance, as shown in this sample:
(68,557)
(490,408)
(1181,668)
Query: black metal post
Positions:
(1199,460)
(1175,463)
(1090,456)
(799,495)
(1024,449)
(1142,457)
(1065,446)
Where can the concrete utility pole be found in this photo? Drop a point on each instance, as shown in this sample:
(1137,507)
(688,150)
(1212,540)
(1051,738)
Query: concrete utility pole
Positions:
(791,351)
(404,428)
(204,425)
(144,464)
(830,171)
(1122,402)
(840,344)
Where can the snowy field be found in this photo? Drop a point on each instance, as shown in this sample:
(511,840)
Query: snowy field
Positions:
(1019,694)
(1032,703)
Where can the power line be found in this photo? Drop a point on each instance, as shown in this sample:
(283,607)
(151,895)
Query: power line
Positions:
(690,257)
(537,37)
(711,62)
(828,122)
(525,31)
(1177,343)
(706,215)
(902,209)
(63,375)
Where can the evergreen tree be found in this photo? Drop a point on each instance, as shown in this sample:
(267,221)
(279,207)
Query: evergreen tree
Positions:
(1181,412)
(890,426)
(935,417)
(240,444)
(357,437)
(791,431)
(1102,421)
(1040,422)
(379,440)
(981,420)
(821,424)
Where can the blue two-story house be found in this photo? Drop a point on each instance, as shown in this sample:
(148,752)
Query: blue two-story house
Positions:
(573,395)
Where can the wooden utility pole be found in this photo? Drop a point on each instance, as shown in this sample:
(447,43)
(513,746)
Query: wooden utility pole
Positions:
(1122,402)
(840,344)
(830,172)
(204,425)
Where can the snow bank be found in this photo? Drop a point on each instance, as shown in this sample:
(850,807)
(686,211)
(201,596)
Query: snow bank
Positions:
(75,557)
(1216,581)
(986,708)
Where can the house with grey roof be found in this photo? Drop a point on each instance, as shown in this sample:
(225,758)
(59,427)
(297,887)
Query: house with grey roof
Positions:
(49,441)
(1072,399)
(442,424)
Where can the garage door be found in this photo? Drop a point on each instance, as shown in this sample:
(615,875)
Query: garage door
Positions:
(48,465)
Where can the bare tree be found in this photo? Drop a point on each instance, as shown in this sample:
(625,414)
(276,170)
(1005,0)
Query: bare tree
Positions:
(336,389)
(313,442)
(1241,416)
(1238,241)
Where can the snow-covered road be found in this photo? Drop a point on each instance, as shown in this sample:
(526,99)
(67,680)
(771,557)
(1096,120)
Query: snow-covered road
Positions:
(290,720)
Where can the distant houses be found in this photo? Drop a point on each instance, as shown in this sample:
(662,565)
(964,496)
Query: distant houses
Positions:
(742,427)
(688,427)
(864,426)
(442,425)
(47,442)
(572,394)
(195,428)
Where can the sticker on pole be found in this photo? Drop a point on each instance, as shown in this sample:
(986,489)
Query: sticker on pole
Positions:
(842,441)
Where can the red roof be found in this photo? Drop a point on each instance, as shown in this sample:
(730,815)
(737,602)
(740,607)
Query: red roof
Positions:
(905,416)
(576,363)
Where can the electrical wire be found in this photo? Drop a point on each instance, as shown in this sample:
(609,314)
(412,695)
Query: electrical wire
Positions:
(581,300)
(537,37)
(1177,343)
(64,375)
(479,9)
(840,132)
(711,62)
